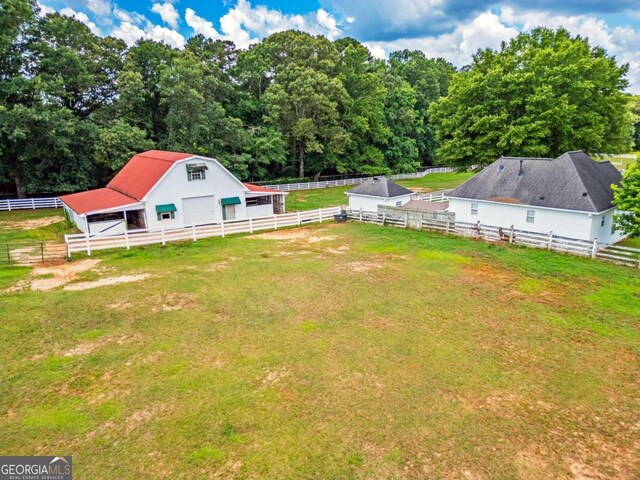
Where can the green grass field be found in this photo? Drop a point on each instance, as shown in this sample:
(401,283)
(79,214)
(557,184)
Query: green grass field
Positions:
(331,197)
(46,224)
(330,351)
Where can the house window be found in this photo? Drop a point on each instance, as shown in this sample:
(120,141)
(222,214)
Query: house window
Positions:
(196,175)
(531,216)
(602,221)
(398,204)
(474,209)
(166,216)
(263,200)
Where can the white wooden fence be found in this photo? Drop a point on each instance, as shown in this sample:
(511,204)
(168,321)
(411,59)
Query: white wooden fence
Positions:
(290,187)
(88,243)
(29,203)
(596,250)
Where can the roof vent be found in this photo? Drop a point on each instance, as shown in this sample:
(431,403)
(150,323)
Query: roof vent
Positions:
(375,179)
(584,194)
(521,171)
(501,166)
(541,197)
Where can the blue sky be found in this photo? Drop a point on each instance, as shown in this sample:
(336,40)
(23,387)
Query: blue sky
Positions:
(453,29)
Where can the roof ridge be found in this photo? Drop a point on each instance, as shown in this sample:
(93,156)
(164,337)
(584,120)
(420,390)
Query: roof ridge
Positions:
(577,171)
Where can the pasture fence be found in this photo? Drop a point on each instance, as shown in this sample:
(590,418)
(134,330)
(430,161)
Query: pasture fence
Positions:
(550,241)
(30,252)
(88,243)
(29,203)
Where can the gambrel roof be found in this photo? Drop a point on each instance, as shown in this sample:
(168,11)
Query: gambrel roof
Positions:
(573,181)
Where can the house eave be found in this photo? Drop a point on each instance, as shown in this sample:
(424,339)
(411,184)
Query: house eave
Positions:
(525,205)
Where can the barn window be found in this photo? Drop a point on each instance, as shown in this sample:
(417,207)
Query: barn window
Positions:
(166,212)
(531,216)
(262,200)
(105,217)
(195,171)
(474,209)
(602,221)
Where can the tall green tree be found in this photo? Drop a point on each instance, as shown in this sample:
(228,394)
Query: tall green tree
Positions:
(303,104)
(626,198)
(543,93)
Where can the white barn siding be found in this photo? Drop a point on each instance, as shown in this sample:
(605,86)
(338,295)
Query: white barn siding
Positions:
(370,204)
(175,186)
(260,210)
(80,221)
(110,227)
(560,222)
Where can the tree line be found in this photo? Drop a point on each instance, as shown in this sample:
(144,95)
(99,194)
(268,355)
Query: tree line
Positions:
(74,107)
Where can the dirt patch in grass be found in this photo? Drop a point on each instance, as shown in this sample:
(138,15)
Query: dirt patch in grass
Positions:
(123,305)
(173,302)
(107,281)
(88,347)
(362,267)
(31,223)
(295,234)
(54,276)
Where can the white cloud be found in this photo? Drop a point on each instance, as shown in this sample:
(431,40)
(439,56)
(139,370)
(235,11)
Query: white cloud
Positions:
(99,7)
(82,17)
(244,24)
(200,25)
(167,12)
(131,33)
(46,9)
(485,30)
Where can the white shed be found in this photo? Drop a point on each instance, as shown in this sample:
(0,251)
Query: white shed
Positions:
(377,191)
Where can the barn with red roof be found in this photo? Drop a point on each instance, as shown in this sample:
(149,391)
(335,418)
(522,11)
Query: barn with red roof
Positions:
(159,190)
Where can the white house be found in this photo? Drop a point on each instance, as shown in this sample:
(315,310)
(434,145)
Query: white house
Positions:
(158,189)
(570,196)
(377,191)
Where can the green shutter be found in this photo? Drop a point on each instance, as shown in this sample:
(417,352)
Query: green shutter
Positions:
(169,207)
(230,201)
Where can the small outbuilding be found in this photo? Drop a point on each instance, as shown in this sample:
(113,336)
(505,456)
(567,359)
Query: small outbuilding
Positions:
(377,191)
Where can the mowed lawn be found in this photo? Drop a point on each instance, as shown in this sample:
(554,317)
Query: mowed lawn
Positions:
(335,196)
(329,351)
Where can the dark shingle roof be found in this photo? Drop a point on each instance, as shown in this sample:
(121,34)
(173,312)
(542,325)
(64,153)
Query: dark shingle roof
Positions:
(573,181)
(380,187)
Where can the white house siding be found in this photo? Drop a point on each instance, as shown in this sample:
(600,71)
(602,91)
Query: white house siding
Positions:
(79,220)
(370,204)
(175,186)
(560,222)
(603,232)
(260,210)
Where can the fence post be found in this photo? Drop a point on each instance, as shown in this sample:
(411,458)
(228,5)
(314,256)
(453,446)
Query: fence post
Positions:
(550,241)
(275,222)
(511,234)
(126,239)
(431,197)
(66,241)
(594,248)
(250,224)
(448,224)
(9,204)
(406,219)
(360,213)
(478,229)
(193,230)
(299,219)
(384,217)
(320,215)
(88,243)
(164,242)
(222,227)
(33,203)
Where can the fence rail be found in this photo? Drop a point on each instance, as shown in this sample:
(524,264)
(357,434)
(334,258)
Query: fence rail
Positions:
(88,243)
(291,187)
(596,250)
(27,253)
(29,203)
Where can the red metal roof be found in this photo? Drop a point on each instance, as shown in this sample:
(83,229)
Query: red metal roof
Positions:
(93,200)
(257,188)
(143,171)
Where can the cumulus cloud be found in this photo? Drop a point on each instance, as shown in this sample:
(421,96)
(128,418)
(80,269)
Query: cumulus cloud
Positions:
(200,25)
(99,7)
(131,33)
(167,12)
(244,24)
(82,17)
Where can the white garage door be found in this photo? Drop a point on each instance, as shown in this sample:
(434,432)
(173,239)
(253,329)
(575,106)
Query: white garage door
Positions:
(199,210)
